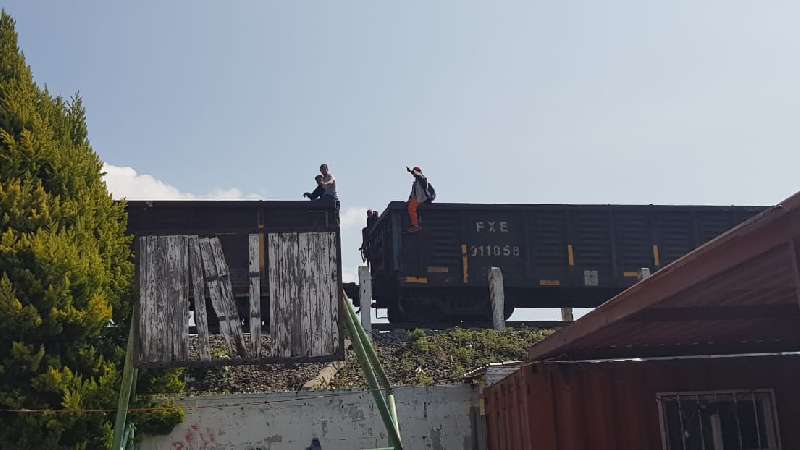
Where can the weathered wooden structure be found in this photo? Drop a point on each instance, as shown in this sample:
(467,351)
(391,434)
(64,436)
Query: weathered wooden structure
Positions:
(285,307)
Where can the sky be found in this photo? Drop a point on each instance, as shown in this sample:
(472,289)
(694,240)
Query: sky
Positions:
(679,102)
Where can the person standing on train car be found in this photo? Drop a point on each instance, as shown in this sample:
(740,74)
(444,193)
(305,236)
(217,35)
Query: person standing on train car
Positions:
(421,192)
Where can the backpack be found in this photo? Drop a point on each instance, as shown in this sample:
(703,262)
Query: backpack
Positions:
(430,192)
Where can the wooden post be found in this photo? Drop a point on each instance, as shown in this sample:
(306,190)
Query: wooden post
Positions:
(497,298)
(566,314)
(365,296)
(644,273)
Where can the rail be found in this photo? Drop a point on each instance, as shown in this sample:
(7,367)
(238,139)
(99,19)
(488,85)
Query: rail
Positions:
(446,325)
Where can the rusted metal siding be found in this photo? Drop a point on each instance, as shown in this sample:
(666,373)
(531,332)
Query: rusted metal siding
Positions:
(612,405)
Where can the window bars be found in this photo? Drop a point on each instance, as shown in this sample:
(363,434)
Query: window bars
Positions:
(719,420)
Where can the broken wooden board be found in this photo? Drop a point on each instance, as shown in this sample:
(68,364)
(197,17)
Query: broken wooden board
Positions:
(304,281)
(198,293)
(304,293)
(219,290)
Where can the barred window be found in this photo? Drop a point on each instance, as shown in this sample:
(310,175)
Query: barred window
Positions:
(719,420)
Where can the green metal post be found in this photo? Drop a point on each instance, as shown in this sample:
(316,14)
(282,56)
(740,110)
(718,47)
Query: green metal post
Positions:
(376,365)
(371,354)
(393,411)
(369,374)
(124,391)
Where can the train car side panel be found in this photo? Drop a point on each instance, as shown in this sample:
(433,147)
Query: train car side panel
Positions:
(550,255)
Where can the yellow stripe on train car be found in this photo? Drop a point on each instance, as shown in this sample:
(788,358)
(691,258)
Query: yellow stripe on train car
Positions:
(420,280)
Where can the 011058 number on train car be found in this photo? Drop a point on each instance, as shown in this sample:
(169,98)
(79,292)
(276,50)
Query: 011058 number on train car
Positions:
(494,250)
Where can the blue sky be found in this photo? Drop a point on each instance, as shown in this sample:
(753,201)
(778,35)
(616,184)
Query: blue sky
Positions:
(499,102)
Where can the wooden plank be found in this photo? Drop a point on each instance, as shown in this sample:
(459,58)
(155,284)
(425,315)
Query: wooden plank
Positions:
(210,272)
(326,281)
(163,302)
(213,282)
(226,291)
(178,268)
(333,294)
(308,294)
(293,283)
(198,292)
(317,297)
(146,285)
(278,328)
(316,278)
(303,278)
(255,295)
(327,303)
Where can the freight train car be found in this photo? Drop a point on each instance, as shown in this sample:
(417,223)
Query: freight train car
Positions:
(550,255)
(232,222)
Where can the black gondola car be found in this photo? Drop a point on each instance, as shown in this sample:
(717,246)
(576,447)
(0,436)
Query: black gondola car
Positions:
(550,255)
(232,222)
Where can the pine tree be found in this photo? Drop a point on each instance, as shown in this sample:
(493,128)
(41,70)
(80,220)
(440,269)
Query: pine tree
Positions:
(65,268)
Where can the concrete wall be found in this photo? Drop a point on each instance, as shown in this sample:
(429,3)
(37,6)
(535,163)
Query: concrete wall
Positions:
(437,418)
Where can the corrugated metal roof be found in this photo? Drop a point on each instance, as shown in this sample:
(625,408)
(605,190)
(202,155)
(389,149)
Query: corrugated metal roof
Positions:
(737,293)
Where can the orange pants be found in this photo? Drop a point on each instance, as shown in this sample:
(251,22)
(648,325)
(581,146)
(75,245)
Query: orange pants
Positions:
(413,205)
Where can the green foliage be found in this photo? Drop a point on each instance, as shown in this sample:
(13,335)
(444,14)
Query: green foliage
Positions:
(65,268)
(416,334)
(446,356)
(161,421)
(423,379)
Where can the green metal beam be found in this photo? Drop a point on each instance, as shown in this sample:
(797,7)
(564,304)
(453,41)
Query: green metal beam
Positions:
(380,374)
(128,376)
(369,374)
(371,354)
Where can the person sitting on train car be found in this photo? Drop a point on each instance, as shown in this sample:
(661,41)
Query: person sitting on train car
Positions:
(421,192)
(328,182)
(318,192)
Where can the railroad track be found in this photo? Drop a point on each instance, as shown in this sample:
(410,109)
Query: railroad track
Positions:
(382,326)
(442,326)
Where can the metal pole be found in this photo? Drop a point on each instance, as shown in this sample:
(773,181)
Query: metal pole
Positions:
(369,374)
(125,390)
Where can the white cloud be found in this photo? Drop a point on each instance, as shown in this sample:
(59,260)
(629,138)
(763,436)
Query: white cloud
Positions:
(125,182)
(349,275)
(353,217)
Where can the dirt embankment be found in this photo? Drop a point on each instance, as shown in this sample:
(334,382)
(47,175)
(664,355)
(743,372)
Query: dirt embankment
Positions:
(418,357)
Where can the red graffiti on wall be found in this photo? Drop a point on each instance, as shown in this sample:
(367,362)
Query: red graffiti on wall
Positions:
(196,438)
